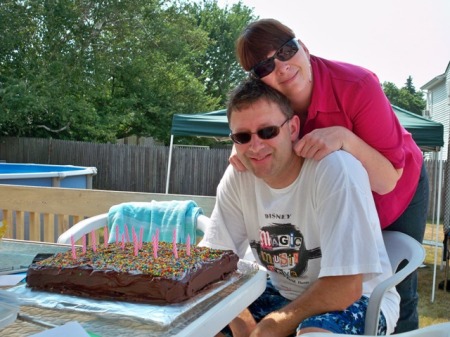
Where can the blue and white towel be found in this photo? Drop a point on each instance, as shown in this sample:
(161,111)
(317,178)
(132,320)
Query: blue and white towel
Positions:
(167,216)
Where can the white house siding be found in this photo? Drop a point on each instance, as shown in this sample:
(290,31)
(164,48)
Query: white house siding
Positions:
(439,112)
(438,109)
(438,104)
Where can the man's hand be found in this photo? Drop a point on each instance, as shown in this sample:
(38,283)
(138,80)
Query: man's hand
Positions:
(270,327)
(243,325)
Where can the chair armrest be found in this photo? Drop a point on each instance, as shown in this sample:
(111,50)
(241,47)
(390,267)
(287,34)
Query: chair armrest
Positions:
(83,227)
(202,223)
(417,255)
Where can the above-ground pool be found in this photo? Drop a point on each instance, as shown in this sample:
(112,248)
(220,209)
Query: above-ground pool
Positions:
(67,176)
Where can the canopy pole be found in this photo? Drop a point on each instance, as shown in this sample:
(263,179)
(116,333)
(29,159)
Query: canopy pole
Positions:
(169,164)
(437,227)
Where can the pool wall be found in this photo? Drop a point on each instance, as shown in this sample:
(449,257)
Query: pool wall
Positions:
(67,176)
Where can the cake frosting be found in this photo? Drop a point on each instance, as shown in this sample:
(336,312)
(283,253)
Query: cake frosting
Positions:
(122,272)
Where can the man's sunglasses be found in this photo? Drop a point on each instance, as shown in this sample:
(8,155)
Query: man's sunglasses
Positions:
(284,53)
(268,132)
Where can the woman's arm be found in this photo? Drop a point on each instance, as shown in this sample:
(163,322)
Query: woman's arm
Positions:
(318,143)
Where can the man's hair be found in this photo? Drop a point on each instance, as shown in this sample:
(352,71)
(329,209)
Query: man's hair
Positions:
(258,39)
(252,90)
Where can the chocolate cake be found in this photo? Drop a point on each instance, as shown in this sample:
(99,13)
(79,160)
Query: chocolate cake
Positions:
(121,272)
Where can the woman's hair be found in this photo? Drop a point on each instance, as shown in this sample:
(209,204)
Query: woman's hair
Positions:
(252,90)
(260,38)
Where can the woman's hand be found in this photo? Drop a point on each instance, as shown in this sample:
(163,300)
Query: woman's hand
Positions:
(235,161)
(321,142)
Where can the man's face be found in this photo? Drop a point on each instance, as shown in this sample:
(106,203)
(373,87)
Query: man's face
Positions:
(269,159)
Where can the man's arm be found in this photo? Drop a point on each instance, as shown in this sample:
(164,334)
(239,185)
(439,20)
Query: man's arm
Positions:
(334,293)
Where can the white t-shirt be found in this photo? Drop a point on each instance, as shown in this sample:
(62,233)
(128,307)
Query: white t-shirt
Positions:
(324,224)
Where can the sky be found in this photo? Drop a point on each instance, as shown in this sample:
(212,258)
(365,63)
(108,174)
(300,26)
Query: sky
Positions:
(393,38)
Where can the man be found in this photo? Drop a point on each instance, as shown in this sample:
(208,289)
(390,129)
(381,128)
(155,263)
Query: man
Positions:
(312,224)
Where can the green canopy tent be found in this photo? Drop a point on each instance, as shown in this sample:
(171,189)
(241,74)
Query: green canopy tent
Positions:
(209,124)
(428,135)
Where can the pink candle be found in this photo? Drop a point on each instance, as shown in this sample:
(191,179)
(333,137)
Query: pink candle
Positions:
(141,237)
(94,243)
(174,244)
(188,245)
(155,247)
(84,244)
(72,242)
(105,236)
(127,233)
(135,242)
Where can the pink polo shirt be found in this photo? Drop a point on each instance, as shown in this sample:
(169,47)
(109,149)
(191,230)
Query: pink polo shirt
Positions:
(352,97)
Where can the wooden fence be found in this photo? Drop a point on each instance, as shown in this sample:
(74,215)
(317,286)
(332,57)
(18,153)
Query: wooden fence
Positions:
(136,168)
(44,213)
(121,167)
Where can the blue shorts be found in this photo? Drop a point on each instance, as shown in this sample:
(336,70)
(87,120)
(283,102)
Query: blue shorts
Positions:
(349,322)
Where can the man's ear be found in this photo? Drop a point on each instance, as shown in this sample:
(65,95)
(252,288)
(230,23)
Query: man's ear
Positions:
(294,127)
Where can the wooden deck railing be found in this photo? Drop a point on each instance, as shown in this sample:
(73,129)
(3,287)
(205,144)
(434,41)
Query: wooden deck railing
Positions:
(44,213)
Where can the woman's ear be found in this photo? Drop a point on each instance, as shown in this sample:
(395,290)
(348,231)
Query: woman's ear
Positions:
(304,48)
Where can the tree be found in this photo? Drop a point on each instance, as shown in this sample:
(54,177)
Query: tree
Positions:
(150,73)
(407,97)
(87,70)
(218,67)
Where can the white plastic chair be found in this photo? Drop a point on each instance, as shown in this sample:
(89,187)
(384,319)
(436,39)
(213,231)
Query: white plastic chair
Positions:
(438,330)
(99,221)
(399,247)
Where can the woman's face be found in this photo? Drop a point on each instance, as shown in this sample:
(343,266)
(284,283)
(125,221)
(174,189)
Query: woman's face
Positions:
(293,77)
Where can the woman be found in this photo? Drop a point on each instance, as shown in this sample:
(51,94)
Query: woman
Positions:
(343,107)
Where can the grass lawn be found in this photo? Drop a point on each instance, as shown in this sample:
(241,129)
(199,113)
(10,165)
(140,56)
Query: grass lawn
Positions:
(438,311)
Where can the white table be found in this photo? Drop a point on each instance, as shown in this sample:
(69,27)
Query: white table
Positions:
(217,317)
(205,319)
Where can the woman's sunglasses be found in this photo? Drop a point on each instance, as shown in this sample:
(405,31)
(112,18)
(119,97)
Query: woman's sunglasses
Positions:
(284,53)
(268,132)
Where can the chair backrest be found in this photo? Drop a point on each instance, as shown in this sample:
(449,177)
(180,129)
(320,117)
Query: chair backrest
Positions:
(399,247)
(438,330)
